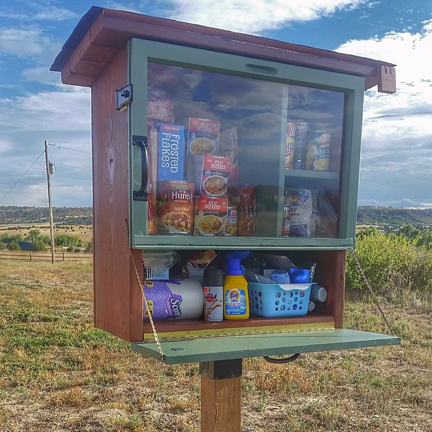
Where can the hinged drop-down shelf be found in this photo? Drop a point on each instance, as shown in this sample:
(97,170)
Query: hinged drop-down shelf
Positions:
(226,348)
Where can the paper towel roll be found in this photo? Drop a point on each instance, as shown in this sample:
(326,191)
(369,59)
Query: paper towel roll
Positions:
(181,299)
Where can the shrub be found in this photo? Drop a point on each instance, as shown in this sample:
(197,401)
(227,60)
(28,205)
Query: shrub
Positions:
(39,246)
(68,241)
(392,263)
(13,245)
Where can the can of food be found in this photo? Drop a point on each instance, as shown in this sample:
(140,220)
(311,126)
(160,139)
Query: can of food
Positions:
(290,139)
(232,220)
(175,207)
(318,151)
(300,145)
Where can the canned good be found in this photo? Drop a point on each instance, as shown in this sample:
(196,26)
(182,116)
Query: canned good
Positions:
(232,220)
(301,131)
(175,207)
(290,139)
(318,151)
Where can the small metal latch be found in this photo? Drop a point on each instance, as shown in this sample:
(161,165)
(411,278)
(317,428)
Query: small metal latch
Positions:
(123,97)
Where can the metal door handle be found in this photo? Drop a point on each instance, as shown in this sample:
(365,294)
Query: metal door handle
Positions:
(142,143)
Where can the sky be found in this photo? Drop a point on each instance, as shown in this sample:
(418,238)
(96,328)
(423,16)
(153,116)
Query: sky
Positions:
(396,161)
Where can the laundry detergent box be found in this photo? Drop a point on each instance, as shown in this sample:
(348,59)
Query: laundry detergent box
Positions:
(171,152)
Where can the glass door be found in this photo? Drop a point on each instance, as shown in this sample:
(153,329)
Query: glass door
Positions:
(234,156)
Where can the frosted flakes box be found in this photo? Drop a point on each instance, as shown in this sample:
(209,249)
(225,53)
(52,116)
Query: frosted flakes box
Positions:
(171,152)
(211,214)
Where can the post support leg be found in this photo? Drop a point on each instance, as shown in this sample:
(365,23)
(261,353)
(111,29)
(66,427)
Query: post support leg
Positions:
(221,396)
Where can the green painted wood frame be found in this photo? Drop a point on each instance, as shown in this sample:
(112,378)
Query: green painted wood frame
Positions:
(143,51)
(226,348)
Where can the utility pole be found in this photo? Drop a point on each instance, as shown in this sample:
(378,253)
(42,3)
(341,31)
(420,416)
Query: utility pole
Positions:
(48,173)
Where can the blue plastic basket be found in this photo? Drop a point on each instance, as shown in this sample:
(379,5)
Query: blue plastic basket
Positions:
(272,300)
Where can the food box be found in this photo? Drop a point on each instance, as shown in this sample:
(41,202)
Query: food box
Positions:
(216,172)
(171,152)
(211,213)
(203,136)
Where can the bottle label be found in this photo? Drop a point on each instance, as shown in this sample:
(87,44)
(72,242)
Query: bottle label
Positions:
(235,302)
(213,307)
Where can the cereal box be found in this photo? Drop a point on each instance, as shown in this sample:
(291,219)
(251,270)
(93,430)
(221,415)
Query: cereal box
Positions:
(211,213)
(216,171)
(171,152)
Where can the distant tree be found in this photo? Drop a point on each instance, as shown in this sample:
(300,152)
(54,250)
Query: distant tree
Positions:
(68,241)
(409,231)
(425,239)
(3,245)
(39,246)
(13,245)
(89,246)
(367,232)
(33,235)
(7,238)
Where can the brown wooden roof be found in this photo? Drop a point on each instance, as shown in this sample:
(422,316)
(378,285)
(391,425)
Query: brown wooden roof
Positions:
(102,32)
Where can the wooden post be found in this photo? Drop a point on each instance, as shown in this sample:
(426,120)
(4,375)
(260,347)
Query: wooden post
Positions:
(48,174)
(221,396)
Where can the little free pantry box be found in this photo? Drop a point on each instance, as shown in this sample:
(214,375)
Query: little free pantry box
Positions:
(259,101)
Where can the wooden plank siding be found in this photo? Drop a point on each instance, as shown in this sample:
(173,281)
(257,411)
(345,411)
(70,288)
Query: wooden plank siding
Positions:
(118,298)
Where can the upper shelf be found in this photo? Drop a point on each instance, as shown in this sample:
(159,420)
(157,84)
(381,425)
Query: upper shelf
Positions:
(309,174)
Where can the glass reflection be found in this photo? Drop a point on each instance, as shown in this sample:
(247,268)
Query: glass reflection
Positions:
(231,132)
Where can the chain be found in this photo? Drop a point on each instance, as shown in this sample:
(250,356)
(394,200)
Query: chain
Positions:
(141,284)
(368,285)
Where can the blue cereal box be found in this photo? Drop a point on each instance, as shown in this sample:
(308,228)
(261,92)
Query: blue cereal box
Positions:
(171,152)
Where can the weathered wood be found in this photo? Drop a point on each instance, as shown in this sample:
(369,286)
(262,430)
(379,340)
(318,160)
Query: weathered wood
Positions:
(387,79)
(112,29)
(221,396)
(330,274)
(118,298)
(191,325)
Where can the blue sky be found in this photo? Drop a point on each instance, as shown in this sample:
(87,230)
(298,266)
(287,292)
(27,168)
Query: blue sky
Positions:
(396,163)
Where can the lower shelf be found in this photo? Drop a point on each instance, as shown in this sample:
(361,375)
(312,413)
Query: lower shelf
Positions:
(227,348)
(169,330)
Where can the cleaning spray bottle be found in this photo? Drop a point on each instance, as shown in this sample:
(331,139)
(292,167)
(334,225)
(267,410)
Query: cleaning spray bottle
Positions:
(236,296)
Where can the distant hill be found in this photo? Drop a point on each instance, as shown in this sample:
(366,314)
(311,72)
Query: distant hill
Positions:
(394,217)
(377,216)
(62,215)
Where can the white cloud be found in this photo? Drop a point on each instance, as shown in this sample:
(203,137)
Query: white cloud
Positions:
(36,12)
(397,134)
(61,118)
(23,42)
(256,16)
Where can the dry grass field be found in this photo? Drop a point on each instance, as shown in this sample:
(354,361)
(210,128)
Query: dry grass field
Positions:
(58,373)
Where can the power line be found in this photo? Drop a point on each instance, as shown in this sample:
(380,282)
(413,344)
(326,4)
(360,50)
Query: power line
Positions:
(28,169)
(71,166)
(68,148)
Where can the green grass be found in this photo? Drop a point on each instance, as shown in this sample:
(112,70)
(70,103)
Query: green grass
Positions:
(59,373)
